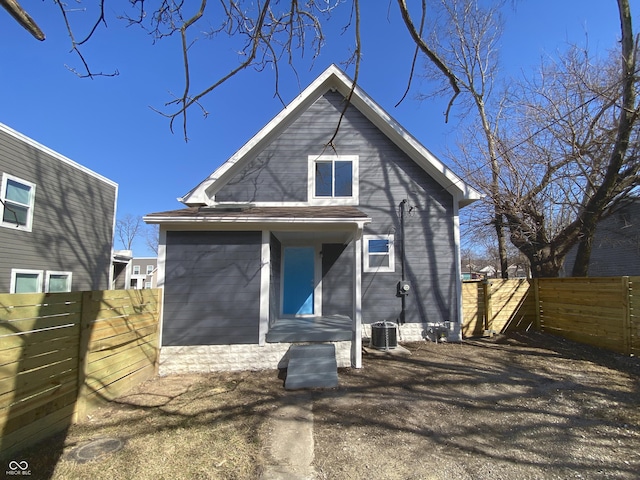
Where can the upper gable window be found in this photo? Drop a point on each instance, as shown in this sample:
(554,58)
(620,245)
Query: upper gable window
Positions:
(17,203)
(333,179)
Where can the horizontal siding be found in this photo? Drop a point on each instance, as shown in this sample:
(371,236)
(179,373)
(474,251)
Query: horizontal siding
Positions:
(72,224)
(212,288)
(387,176)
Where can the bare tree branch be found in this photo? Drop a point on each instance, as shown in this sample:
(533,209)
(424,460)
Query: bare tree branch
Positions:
(435,59)
(23,18)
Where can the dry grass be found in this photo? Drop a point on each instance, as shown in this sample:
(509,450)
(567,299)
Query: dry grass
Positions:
(179,427)
(529,406)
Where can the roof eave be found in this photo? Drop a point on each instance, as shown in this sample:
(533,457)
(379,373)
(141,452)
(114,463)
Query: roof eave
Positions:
(203,193)
(360,221)
(334,78)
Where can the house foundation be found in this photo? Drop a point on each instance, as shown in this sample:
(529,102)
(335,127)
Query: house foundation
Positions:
(225,358)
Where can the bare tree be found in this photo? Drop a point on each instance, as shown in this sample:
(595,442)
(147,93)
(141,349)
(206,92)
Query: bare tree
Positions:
(465,36)
(569,154)
(269,34)
(151,237)
(128,228)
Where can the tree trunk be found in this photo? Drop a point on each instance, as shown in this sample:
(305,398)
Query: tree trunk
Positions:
(583,256)
(544,266)
(628,116)
(502,246)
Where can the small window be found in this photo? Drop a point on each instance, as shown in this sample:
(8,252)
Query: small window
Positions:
(17,203)
(378,253)
(57,282)
(26,281)
(149,269)
(136,269)
(147,285)
(333,180)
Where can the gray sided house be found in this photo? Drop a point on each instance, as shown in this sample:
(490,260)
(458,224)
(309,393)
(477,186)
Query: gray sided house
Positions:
(57,220)
(616,243)
(292,240)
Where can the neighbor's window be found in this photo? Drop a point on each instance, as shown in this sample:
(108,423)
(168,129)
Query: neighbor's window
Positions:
(26,281)
(378,253)
(333,179)
(17,203)
(136,269)
(57,282)
(149,269)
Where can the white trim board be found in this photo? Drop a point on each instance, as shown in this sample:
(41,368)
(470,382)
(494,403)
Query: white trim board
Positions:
(31,142)
(336,79)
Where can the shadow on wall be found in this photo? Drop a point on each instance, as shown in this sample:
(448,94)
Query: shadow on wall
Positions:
(73,223)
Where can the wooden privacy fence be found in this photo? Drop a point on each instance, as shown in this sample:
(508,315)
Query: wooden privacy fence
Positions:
(603,312)
(498,306)
(65,353)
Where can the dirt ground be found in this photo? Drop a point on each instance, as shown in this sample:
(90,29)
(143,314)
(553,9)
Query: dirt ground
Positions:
(520,407)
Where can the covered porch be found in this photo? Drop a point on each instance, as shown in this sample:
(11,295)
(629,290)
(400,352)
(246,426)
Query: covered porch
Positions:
(329,328)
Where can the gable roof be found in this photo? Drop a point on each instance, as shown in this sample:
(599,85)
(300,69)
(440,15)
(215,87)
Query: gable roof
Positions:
(334,79)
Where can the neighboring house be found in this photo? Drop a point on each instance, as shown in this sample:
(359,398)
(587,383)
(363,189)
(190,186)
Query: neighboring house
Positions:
(57,220)
(296,240)
(121,277)
(134,273)
(616,244)
(144,273)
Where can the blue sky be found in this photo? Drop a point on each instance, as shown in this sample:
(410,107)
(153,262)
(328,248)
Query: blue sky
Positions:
(107,124)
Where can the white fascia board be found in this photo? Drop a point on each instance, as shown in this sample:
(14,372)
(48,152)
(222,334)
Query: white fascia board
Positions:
(335,78)
(31,142)
(201,195)
(412,147)
(259,220)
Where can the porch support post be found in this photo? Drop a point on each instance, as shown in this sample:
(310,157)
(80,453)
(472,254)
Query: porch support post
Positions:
(458,272)
(265,278)
(356,337)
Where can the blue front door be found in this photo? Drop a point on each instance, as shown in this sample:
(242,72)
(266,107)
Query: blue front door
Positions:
(298,281)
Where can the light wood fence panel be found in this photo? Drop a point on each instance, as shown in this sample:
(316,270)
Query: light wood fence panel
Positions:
(594,311)
(60,354)
(497,305)
(634,315)
(473,304)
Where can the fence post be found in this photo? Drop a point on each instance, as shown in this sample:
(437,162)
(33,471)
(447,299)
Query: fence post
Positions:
(83,349)
(536,299)
(488,320)
(626,315)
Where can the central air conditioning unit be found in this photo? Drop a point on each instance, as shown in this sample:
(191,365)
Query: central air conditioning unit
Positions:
(384,335)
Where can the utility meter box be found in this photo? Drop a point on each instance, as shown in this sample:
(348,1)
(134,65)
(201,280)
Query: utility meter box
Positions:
(403,288)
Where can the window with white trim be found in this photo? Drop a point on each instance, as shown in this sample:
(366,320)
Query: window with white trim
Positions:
(149,269)
(57,282)
(26,281)
(379,253)
(333,179)
(136,269)
(17,197)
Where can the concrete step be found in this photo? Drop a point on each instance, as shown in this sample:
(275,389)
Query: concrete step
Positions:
(312,366)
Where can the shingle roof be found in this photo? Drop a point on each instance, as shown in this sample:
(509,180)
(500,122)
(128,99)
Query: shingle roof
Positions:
(266,213)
